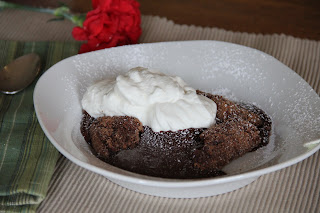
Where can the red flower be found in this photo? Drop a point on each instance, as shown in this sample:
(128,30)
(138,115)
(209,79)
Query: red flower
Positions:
(111,23)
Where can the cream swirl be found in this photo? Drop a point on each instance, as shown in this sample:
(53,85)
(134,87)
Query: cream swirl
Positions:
(159,101)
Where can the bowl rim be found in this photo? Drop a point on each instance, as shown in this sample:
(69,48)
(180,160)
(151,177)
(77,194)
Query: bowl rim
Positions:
(168,182)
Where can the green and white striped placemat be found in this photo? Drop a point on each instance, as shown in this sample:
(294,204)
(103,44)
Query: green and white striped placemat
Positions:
(27,158)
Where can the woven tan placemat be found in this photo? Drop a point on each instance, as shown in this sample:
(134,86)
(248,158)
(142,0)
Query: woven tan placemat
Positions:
(74,189)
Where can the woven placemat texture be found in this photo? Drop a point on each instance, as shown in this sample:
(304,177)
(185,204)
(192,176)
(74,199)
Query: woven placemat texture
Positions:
(74,189)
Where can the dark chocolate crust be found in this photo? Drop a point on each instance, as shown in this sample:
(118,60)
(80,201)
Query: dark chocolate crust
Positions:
(190,153)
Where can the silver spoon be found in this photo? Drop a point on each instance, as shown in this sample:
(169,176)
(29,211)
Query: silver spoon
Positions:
(21,72)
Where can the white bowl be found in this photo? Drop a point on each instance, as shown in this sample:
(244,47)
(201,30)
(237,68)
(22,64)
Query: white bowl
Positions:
(235,71)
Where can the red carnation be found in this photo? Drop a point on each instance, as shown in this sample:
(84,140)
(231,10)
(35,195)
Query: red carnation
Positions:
(111,23)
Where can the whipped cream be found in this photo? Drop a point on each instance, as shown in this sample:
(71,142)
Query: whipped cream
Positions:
(159,101)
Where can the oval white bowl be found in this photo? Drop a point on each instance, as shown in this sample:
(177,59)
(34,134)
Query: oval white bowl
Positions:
(238,72)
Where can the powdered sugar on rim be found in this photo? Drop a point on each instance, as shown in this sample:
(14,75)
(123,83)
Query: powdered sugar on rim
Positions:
(242,73)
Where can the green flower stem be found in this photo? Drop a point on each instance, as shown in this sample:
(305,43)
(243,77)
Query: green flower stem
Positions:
(62,12)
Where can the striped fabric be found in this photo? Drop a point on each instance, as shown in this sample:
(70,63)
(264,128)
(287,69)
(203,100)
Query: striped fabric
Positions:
(27,158)
(294,189)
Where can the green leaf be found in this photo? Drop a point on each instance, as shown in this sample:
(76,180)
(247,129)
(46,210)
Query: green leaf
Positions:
(56,19)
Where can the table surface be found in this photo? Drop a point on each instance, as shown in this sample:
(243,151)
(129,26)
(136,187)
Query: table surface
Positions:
(299,18)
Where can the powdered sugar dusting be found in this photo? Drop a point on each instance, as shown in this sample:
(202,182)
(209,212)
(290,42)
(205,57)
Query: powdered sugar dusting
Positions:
(239,73)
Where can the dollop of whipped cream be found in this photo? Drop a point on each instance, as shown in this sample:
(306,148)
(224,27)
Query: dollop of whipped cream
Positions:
(159,101)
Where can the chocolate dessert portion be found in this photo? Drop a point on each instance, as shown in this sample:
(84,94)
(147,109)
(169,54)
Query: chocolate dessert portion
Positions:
(228,110)
(110,135)
(224,142)
(124,142)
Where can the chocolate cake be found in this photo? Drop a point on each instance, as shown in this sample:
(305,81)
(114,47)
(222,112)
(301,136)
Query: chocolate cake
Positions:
(124,142)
